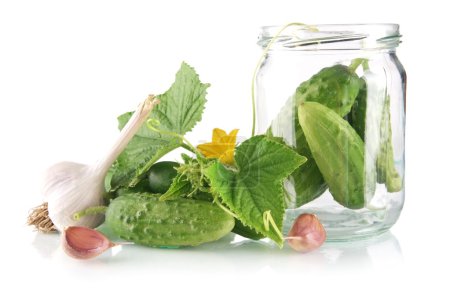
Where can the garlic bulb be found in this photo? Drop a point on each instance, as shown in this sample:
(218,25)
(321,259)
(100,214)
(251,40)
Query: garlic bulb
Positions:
(71,187)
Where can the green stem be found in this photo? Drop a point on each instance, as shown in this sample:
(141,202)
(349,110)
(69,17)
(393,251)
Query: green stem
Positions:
(90,211)
(268,221)
(365,65)
(217,202)
(260,61)
(187,147)
(151,123)
(355,63)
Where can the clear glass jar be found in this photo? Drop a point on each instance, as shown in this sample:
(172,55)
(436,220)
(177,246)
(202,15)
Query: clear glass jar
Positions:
(358,77)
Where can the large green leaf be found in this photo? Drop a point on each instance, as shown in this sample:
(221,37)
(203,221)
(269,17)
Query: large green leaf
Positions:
(255,185)
(180,108)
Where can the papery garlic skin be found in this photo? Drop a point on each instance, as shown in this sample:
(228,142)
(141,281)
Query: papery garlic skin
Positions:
(70,187)
(307,233)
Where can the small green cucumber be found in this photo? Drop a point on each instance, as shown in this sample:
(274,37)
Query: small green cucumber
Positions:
(379,135)
(161,175)
(336,87)
(338,151)
(357,116)
(366,118)
(171,223)
(308,181)
(386,171)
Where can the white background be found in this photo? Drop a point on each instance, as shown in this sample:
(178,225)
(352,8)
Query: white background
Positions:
(68,68)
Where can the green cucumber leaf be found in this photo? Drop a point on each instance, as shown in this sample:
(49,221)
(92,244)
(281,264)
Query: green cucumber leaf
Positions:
(255,185)
(180,186)
(179,110)
(137,158)
(245,231)
(189,181)
(182,105)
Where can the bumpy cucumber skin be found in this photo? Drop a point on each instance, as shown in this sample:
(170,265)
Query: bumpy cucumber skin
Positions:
(338,151)
(308,181)
(172,223)
(161,175)
(386,171)
(336,87)
(357,116)
(141,187)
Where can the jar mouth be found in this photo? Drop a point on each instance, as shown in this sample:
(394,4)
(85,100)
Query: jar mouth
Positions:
(374,36)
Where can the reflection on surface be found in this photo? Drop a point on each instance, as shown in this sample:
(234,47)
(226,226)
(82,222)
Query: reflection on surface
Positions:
(46,244)
(236,254)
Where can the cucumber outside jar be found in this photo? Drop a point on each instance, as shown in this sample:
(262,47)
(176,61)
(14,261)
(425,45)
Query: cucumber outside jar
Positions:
(336,93)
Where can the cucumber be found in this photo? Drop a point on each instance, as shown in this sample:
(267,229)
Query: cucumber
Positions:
(386,171)
(357,116)
(370,117)
(141,187)
(171,223)
(308,181)
(336,87)
(338,151)
(161,175)
(159,178)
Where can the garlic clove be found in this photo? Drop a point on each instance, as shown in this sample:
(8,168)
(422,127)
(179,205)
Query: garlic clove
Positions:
(306,234)
(84,243)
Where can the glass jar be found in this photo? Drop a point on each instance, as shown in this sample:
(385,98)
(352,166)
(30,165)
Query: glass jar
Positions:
(336,94)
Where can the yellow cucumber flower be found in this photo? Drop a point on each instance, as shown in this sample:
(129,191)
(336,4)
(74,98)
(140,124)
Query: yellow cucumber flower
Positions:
(222,146)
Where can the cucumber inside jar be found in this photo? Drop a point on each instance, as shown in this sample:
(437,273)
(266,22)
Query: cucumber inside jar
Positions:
(331,134)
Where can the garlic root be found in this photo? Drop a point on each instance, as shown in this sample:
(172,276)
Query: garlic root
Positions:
(39,218)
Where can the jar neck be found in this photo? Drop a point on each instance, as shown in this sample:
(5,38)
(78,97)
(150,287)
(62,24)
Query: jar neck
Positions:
(345,37)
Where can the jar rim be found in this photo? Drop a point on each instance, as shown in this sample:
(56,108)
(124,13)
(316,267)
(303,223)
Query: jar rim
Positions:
(356,36)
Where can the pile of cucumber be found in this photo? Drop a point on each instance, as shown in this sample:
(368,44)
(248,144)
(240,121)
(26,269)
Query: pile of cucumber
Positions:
(345,134)
(349,149)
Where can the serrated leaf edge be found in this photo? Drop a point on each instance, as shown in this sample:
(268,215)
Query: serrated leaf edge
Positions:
(278,184)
